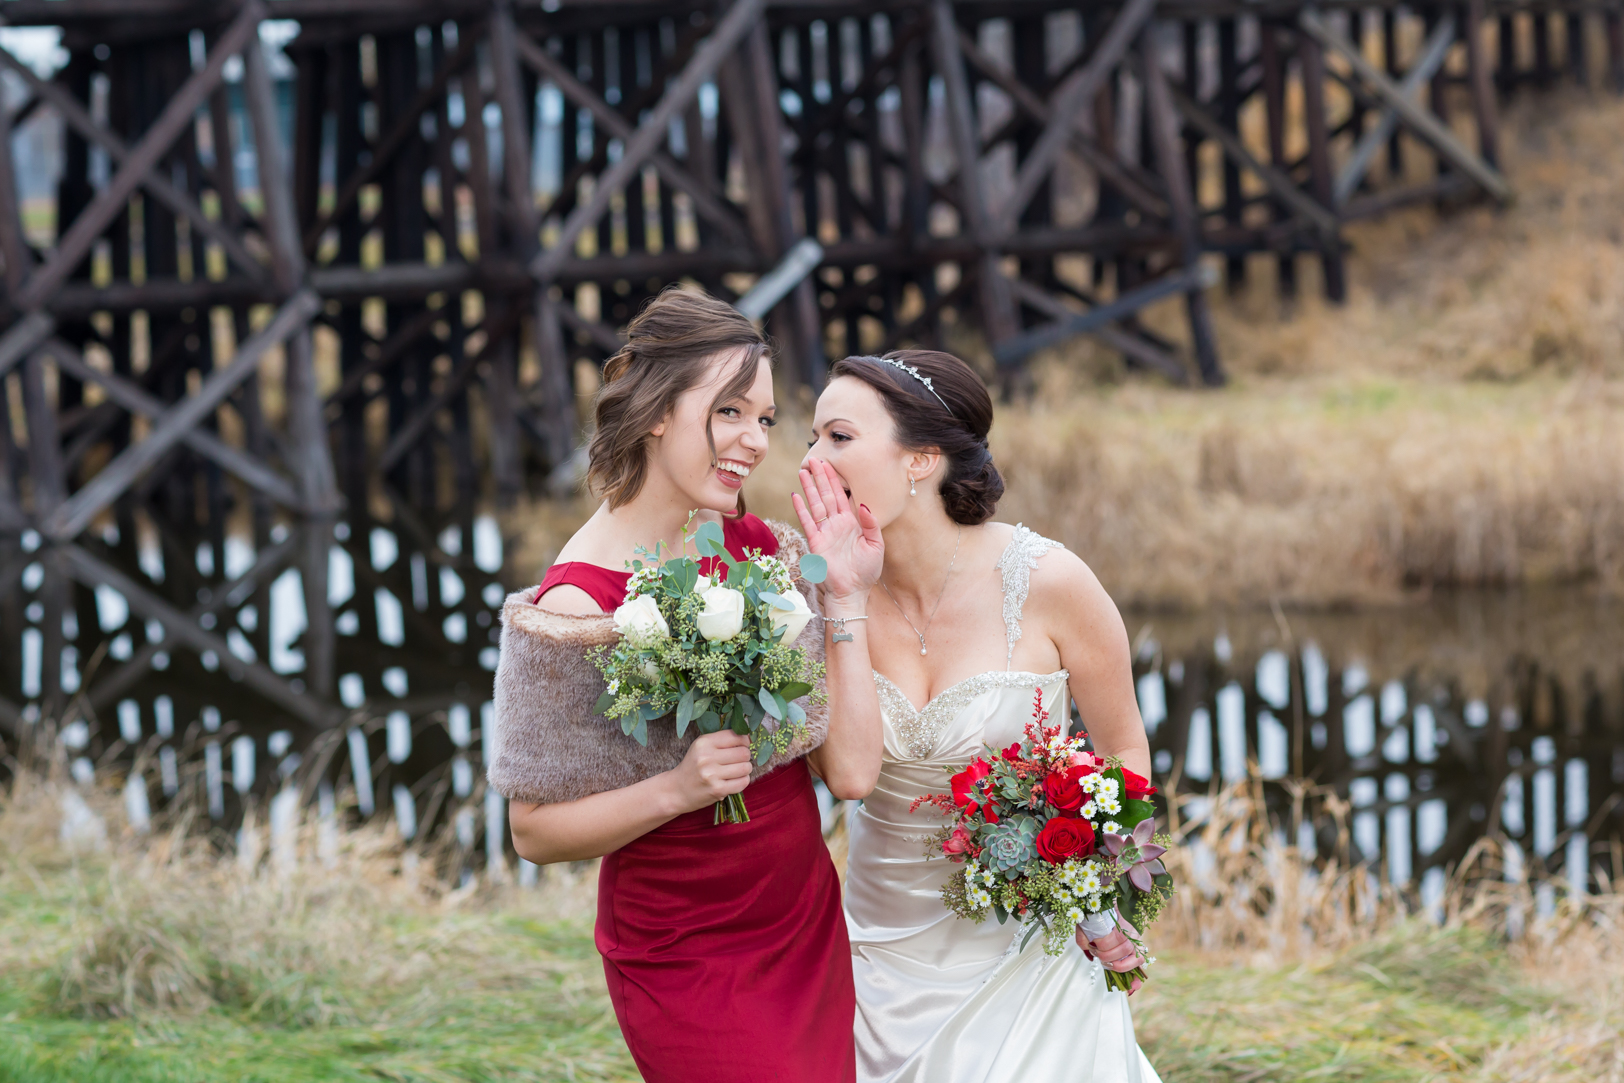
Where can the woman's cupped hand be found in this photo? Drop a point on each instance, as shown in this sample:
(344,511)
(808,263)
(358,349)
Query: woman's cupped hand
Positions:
(845,535)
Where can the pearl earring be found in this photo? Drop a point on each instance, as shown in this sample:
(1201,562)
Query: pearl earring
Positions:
(911,490)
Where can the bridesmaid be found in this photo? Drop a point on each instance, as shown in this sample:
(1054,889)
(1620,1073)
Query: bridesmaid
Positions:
(724,946)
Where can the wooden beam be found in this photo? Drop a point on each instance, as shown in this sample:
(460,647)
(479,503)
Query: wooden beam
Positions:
(171,124)
(1422,123)
(280,220)
(138,400)
(504,37)
(999,319)
(13,244)
(403,338)
(79,119)
(653,131)
(117,476)
(45,469)
(1169,148)
(706,203)
(1311,64)
(93,571)
(1070,104)
(22,337)
(1433,54)
(1481,78)
(1097,323)
(605,337)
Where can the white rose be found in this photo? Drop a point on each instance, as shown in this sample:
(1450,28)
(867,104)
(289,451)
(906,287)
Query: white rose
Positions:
(640,621)
(792,621)
(723,617)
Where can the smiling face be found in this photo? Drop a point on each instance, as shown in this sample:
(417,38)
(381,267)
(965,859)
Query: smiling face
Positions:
(853,432)
(679,455)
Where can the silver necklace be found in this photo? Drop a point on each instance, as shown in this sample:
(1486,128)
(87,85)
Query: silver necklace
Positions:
(945,577)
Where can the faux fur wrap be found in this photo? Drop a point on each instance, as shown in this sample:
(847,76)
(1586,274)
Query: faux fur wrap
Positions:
(551,747)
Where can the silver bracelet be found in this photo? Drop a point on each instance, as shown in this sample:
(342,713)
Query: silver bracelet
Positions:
(841,635)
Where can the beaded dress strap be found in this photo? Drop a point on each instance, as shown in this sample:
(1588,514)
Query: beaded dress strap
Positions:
(1017,564)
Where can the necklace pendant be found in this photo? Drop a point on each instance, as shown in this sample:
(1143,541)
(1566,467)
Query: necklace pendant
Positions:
(922,650)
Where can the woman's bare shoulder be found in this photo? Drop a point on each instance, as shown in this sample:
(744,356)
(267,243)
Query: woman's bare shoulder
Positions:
(1069,599)
(571,600)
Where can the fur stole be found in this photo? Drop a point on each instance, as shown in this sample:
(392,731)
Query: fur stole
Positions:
(551,747)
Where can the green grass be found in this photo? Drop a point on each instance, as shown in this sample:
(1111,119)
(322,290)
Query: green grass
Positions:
(1417,1006)
(506,997)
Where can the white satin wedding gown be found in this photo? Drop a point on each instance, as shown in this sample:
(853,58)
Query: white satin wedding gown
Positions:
(941,999)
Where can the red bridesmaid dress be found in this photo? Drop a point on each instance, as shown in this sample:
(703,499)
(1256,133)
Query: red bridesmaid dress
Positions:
(725,946)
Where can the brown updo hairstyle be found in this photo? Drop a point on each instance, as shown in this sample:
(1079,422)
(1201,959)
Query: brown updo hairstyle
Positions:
(668,351)
(956,425)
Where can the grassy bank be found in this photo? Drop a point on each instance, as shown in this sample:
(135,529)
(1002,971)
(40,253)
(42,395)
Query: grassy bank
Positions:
(1460,420)
(154,960)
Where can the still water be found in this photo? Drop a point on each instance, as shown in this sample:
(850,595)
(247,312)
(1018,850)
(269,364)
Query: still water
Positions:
(346,668)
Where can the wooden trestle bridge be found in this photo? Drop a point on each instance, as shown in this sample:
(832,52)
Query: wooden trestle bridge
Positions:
(297,260)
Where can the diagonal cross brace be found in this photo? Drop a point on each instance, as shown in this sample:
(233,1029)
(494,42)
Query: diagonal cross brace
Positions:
(1433,54)
(78,118)
(1069,104)
(110,483)
(1428,127)
(138,400)
(172,123)
(650,133)
(618,127)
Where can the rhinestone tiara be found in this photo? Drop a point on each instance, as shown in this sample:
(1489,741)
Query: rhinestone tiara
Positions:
(916,374)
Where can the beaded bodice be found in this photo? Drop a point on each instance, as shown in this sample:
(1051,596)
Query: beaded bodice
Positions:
(917,733)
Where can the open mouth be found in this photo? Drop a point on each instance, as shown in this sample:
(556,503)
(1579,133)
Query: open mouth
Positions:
(732,473)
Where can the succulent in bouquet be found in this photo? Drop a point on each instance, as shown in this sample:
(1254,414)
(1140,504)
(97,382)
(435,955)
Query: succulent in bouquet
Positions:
(710,644)
(1055,836)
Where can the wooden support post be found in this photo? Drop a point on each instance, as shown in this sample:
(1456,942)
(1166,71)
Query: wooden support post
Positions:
(1229,123)
(45,471)
(1438,88)
(13,246)
(1164,133)
(1506,73)
(1431,61)
(1312,65)
(1542,49)
(998,315)
(1615,50)
(501,397)
(1578,62)
(320,635)
(1482,83)
(1395,146)
(1274,104)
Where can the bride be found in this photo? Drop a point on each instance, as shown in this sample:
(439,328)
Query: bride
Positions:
(971,617)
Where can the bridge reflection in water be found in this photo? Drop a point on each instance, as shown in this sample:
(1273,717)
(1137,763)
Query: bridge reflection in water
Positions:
(343,670)
(1408,733)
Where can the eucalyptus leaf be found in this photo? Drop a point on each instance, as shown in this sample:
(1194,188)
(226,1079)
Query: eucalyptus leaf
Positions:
(709,722)
(999,912)
(605,702)
(764,753)
(769,703)
(778,601)
(797,716)
(685,712)
(814,569)
(708,540)
(641,733)
(794,689)
(783,706)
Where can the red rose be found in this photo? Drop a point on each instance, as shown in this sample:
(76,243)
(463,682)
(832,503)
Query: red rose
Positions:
(1065,836)
(1135,788)
(964,783)
(957,844)
(1063,788)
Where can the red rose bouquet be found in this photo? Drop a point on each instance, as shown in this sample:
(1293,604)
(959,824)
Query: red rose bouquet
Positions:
(1054,836)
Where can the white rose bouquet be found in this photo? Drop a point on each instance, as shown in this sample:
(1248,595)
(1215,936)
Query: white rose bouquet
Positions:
(712,651)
